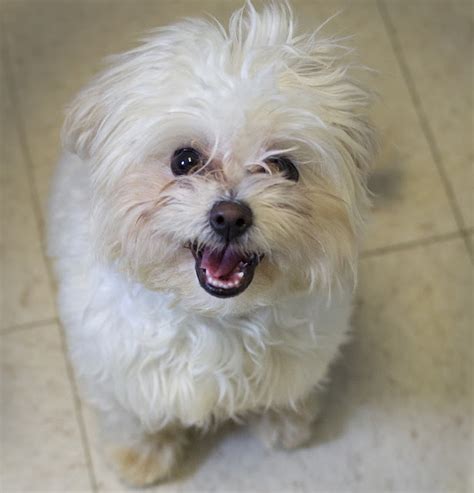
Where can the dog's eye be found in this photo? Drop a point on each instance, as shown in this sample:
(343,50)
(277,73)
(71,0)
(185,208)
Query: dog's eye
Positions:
(284,165)
(185,160)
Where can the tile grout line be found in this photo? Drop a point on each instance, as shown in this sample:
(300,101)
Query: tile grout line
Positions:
(6,60)
(435,152)
(410,245)
(28,325)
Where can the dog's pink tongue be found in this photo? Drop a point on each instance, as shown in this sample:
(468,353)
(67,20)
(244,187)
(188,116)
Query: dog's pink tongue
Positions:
(220,263)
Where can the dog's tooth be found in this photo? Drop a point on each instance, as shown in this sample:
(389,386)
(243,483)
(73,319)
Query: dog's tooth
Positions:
(210,280)
(217,283)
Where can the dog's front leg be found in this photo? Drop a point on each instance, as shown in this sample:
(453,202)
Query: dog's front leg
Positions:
(289,428)
(140,457)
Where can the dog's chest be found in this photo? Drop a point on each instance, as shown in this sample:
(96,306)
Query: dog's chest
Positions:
(164,365)
(197,369)
(206,371)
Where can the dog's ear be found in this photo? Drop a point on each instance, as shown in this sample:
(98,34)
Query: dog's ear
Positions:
(360,141)
(84,117)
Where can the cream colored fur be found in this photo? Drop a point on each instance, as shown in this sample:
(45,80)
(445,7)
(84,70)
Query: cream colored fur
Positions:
(155,353)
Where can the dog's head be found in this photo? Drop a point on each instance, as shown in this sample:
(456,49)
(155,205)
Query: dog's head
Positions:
(227,167)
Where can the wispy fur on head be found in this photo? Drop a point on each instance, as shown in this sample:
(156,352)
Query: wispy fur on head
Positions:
(239,95)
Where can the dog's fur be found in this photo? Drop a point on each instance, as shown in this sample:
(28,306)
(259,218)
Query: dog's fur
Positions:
(154,352)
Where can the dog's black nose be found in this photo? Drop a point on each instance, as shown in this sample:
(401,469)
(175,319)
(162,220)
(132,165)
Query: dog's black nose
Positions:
(230,219)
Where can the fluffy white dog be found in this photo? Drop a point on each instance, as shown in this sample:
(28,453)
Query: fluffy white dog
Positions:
(204,222)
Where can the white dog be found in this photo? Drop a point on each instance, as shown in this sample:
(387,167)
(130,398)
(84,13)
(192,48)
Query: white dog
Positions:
(204,222)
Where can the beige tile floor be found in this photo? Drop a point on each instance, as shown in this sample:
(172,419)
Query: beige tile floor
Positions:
(399,415)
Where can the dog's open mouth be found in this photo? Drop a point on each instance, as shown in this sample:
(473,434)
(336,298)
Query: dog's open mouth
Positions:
(224,272)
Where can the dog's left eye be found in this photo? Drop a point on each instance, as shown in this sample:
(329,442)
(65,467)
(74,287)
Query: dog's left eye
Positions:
(285,166)
(185,160)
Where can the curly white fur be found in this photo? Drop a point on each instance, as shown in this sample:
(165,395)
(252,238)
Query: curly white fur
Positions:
(152,349)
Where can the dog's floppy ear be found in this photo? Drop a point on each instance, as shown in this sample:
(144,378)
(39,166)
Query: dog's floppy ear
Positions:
(85,117)
(360,141)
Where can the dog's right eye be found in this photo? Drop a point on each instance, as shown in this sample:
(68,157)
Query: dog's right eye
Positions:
(185,160)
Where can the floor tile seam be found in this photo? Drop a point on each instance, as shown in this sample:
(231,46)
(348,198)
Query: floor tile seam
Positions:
(34,324)
(425,126)
(28,162)
(413,244)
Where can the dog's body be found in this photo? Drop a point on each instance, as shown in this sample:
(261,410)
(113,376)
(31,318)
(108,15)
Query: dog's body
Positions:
(160,340)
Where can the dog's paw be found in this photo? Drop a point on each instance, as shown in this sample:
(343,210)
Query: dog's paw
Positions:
(283,431)
(147,462)
(289,428)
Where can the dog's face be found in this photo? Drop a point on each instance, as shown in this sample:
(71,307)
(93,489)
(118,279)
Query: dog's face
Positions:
(226,168)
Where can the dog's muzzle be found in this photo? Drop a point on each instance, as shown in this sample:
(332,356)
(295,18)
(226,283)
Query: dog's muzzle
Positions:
(224,271)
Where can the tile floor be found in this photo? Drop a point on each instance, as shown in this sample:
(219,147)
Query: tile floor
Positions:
(399,415)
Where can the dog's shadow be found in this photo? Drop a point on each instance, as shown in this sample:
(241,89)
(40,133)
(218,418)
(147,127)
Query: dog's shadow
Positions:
(202,446)
(337,408)
(385,181)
